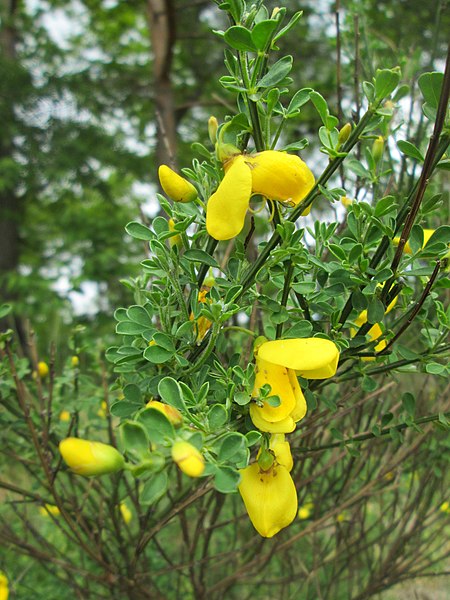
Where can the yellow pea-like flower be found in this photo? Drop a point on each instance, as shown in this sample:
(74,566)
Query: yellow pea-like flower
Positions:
(188,459)
(172,414)
(64,416)
(75,361)
(176,187)
(126,513)
(49,509)
(275,175)
(269,496)
(305,511)
(90,458)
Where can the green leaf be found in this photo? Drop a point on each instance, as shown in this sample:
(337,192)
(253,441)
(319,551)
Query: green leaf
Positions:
(5,309)
(240,38)
(375,311)
(321,105)
(129,328)
(253,437)
(133,393)
(232,444)
(338,252)
(409,403)
(170,392)
(241,398)
(139,231)
(299,99)
(134,438)
(294,20)
(386,80)
(156,424)
(154,489)
(217,416)
(410,150)
(441,235)
(226,480)
(124,409)
(200,256)
(385,206)
(157,354)
(430,85)
(262,33)
(276,73)
(138,314)
(435,368)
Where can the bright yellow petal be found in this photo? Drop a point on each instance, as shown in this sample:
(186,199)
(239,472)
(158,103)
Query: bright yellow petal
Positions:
(90,458)
(227,207)
(270,498)
(188,458)
(280,176)
(282,450)
(278,379)
(300,407)
(286,425)
(312,358)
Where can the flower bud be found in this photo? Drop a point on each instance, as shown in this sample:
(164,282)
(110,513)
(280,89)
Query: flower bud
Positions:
(346,201)
(43,369)
(64,416)
(75,361)
(213,126)
(344,133)
(4,586)
(175,240)
(90,458)
(305,510)
(176,187)
(172,414)
(126,513)
(188,459)
(378,148)
(46,510)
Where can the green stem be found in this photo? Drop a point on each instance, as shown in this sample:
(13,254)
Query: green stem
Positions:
(285,296)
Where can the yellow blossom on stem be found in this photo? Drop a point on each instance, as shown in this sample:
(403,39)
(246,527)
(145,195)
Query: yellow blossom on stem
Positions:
(176,187)
(172,414)
(305,511)
(275,175)
(174,240)
(277,364)
(203,324)
(103,410)
(188,459)
(427,233)
(269,496)
(75,361)
(90,458)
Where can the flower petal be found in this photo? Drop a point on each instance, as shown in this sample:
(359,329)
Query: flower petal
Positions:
(312,358)
(278,379)
(227,207)
(300,407)
(270,498)
(280,176)
(286,425)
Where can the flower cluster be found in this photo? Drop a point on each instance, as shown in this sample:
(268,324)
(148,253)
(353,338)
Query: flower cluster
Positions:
(267,488)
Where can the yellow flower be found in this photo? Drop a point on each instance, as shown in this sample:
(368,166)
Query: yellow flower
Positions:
(277,364)
(176,187)
(172,414)
(126,513)
(272,174)
(213,126)
(175,240)
(445,507)
(281,450)
(64,416)
(43,369)
(49,509)
(374,333)
(4,586)
(75,361)
(346,201)
(427,233)
(305,511)
(269,496)
(341,517)
(90,458)
(188,458)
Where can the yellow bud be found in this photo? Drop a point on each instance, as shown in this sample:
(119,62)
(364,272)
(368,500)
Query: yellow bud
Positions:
(445,507)
(4,586)
(90,458)
(176,187)
(49,509)
(103,410)
(305,511)
(175,240)
(213,126)
(64,416)
(188,459)
(43,369)
(346,201)
(209,280)
(126,513)
(75,361)
(378,148)
(172,414)
(344,133)
(341,517)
